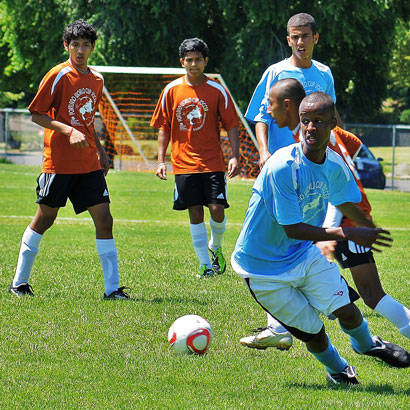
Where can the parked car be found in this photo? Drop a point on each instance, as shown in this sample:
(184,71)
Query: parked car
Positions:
(369,168)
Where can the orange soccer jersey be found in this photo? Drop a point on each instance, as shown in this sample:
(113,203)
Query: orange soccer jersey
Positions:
(191,115)
(347,145)
(71,98)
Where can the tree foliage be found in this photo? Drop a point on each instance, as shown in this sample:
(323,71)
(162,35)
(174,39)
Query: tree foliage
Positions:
(244,37)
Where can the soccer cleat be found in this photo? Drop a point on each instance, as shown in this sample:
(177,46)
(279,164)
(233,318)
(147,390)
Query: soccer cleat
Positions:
(218,261)
(118,294)
(205,272)
(347,376)
(390,353)
(267,337)
(24,289)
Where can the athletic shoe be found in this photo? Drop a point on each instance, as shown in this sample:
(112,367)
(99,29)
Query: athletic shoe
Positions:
(390,353)
(347,376)
(118,294)
(24,289)
(267,337)
(218,261)
(205,272)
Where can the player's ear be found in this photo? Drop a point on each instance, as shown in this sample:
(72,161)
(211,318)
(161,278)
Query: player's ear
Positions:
(316,38)
(289,43)
(66,45)
(206,60)
(181,60)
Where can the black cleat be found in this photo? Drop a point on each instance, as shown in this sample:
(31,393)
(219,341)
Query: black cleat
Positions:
(117,294)
(390,353)
(347,376)
(24,289)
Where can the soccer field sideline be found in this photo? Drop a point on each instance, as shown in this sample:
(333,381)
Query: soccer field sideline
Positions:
(146,221)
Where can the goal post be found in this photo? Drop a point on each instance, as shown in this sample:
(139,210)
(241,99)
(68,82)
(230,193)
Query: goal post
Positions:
(129,99)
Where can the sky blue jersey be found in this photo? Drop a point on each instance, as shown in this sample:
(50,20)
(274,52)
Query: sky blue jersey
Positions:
(318,77)
(290,189)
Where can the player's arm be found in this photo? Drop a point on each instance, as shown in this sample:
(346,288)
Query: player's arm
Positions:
(353,212)
(261,131)
(76,138)
(233,164)
(367,237)
(163,142)
(102,155)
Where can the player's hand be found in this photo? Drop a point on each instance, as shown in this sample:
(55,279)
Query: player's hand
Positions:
(233,167)
(369,237)
(327,249)
(161,171)
(104,162)
(78,139)
(263,157)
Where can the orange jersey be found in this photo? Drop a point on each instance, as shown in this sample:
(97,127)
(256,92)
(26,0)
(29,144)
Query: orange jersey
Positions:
(191,115)
(347,145)
(71,98)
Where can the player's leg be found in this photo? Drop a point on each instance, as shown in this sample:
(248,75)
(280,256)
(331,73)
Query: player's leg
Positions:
(188,194)
(291,307)
(216,197)
(29,247)
(52,191)
(199,237)
(366,278)
(90,193)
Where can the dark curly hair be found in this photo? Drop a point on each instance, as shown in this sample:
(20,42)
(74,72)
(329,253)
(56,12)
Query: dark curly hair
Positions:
(193,44)
(80,29)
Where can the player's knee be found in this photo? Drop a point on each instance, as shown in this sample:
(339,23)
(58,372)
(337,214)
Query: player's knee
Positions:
(349,315)
(317,342)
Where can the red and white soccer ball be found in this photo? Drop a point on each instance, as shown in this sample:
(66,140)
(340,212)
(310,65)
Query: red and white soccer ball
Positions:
(190,334)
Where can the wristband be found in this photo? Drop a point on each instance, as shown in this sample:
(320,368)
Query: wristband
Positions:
(71,131)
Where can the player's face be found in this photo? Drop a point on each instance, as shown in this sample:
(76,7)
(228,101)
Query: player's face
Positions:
(316,123)
(80,50)
(277,110)
(194,64)
(302,41)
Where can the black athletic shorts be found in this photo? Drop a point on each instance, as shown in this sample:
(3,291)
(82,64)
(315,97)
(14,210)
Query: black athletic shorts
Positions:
(83,190)
(349,254)
(200,189)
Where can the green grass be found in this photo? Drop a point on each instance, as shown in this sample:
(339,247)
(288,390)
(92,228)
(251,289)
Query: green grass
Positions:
(67,348)
(402,159)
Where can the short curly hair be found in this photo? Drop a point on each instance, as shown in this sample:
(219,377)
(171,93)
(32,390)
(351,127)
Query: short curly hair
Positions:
(193,44)
(80,29)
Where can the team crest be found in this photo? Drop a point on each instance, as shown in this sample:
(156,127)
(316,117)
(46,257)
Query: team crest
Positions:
(191,114)
(82,106)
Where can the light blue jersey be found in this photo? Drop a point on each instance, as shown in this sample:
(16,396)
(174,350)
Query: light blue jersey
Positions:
(290,189)
(318,77)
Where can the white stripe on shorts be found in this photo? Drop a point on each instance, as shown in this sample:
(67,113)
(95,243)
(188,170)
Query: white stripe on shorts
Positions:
(356,248)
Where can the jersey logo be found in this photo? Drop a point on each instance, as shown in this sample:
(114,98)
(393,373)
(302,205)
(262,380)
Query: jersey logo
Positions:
(344,257)
(340,293)
(105,192)
(191,114)
(220,196)
(82,106)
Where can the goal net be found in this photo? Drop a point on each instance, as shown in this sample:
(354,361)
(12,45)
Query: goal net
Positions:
(129,100)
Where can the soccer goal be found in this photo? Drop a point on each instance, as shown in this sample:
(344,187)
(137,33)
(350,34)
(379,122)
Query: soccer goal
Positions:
(129,100)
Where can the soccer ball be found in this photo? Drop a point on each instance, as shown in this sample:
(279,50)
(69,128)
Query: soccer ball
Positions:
(190,334)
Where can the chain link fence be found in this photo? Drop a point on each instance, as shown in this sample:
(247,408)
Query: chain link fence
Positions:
(21,142)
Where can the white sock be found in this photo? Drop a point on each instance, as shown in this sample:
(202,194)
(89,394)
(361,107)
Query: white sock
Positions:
(396,313)
(30,243)
(217,232)
(109,262)
(275,325)
(200,242)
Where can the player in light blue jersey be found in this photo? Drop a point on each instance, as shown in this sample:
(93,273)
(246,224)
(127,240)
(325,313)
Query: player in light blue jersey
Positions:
(285,273)
(314,76)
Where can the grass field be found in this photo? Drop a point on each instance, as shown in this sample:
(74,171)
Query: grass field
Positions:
(67,348)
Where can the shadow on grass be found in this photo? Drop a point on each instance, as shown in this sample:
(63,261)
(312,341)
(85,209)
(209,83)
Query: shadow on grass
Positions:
(385,389)
(169,300)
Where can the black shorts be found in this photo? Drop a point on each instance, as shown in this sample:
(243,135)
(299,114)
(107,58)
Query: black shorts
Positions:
(349,254)
(200,189)
(83,190)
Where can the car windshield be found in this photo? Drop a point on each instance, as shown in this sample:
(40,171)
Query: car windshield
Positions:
(365,153)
